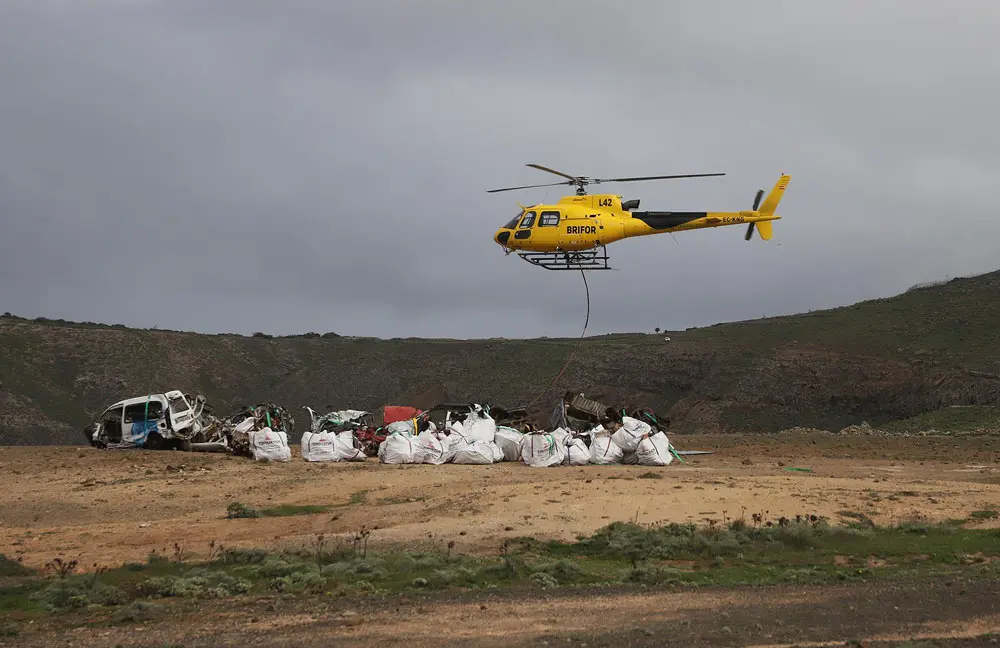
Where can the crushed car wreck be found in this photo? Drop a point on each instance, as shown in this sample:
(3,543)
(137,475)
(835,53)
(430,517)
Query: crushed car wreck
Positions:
(171,420)
(177,421)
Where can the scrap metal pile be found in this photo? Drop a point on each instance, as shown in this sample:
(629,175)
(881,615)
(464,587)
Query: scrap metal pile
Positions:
(581,431)
(257,430)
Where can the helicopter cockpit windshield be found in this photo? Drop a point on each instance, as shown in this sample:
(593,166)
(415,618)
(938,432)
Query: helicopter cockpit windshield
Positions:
(513,222)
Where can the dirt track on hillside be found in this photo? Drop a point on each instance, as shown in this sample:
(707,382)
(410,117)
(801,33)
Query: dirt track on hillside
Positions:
(111,507)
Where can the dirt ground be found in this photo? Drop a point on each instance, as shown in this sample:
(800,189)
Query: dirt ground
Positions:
(111,507)
(954,612)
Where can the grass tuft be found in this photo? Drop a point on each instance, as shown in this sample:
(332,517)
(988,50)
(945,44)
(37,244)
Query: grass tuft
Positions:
(285,510)
(10,567)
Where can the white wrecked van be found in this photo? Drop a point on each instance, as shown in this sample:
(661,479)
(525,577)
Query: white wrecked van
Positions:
(171,420)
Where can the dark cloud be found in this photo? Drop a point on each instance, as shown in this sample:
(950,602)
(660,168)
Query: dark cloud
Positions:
(322,166)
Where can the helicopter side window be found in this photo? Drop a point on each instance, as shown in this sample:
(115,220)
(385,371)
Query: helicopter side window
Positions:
(548,219)
(528,221)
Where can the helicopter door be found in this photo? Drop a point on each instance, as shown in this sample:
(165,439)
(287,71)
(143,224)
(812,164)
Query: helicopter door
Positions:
(524,229)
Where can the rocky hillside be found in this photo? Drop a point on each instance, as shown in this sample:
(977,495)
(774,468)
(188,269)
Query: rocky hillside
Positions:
(878,361)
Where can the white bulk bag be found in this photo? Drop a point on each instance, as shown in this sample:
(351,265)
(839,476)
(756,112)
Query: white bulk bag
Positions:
(560,435)
(654,450)
(509,441)
(347,448)
(452,443)
(269,445)
(577,452)
(631,431)
(603,450)
(457,430)
(479,428)
(398,448)
(477,452)
(319,446)
(541,450)
(430,449)
(497,452)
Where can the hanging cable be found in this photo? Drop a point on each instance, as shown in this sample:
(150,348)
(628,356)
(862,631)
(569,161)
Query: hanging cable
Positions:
(572,352)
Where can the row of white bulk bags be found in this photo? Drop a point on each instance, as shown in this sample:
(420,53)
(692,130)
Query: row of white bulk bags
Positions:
(635,442)
(478,440)
(559,447)
(402,446)
(473,441)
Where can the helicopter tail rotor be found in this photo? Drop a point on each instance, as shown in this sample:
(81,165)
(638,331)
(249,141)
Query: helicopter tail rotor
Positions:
(768,208)
(756,204)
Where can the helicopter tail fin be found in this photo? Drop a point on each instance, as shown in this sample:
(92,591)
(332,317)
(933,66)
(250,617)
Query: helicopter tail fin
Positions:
(771,202)
(764,229)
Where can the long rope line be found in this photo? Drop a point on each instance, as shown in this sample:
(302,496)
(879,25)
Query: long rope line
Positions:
(576,346)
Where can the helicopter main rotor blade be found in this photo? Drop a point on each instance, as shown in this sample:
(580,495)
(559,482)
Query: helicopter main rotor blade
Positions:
(551,184)
(581,181)
(662,177)
(558,173)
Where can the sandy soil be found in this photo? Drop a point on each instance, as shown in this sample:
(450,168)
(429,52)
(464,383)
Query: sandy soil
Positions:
(111,507)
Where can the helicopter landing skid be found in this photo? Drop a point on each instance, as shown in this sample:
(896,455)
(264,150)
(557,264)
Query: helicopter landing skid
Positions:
(596,259)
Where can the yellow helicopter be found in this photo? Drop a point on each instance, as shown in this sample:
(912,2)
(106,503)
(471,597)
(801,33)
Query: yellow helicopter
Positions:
(573,233)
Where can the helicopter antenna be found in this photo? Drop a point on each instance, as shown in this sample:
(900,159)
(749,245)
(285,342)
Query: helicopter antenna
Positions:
(581,182)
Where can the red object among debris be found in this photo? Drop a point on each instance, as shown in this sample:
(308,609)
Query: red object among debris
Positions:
(394,413)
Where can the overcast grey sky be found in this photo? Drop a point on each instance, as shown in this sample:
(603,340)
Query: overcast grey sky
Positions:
(318,166)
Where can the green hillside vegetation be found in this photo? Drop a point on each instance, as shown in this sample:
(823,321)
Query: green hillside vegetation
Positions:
(876,361)
(956,419)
